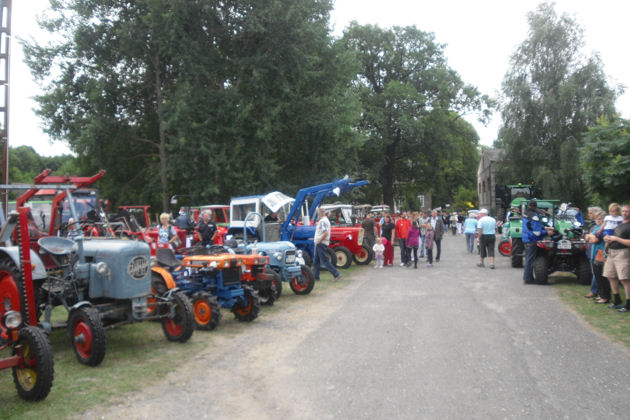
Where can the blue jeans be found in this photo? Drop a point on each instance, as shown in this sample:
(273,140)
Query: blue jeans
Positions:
(470,242)
(321,258)
(530,255)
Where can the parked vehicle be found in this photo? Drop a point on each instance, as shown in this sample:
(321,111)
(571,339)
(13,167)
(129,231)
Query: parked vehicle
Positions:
(346,239)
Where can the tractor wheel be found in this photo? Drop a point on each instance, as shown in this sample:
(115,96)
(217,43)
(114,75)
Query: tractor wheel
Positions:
(517,253)
(540,270)
(364,257)
(33,377)
(87,335)
(308,260)
(583,272)
(343,257)
(277,281)
(303,284)
(10,290)
(182,325)
(207,311)
(248,312)
(504,248)
(332,256)
(270,295)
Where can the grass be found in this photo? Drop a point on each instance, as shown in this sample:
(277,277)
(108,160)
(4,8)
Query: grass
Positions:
(136,354)
(607,321)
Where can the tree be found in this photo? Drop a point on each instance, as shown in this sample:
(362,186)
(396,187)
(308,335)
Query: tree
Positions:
(552,93)
(412,104)
(605,161)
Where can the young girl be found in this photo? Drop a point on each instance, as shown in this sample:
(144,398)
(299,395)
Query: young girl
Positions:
(612,220)
(428,244)
(413,239)
(379,250)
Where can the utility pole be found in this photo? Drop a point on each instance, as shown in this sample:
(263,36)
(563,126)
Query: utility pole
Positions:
(5,43)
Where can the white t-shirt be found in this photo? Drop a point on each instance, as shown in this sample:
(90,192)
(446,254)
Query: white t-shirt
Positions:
(378,248)
(322,231)
(611,222)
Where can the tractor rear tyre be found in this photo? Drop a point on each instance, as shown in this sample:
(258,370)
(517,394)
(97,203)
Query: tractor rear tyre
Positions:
(303,284)
(87,335)
(363,257)
(247,312)
(343,257)
(34,377)
(182,325)
(332,256)
(517,253)
(207,311)
(504,248)
(583,271)
(540,270)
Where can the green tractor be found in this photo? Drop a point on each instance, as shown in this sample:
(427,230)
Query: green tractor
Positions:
(510,206)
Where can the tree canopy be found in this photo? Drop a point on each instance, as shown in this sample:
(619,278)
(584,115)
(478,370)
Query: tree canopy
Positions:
(551,94)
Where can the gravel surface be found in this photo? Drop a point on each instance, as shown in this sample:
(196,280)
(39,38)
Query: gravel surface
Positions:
(451,341)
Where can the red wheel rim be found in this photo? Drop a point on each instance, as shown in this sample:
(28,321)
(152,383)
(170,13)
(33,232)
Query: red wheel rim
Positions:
(506,249)
(203,312)
(82,334)
(173,328)
(8,292)
(245,309)
(300,287)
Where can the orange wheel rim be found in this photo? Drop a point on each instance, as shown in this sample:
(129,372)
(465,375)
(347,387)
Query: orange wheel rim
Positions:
(203,312)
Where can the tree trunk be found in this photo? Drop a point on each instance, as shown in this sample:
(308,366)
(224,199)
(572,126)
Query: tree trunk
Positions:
(162,140)
(388,175)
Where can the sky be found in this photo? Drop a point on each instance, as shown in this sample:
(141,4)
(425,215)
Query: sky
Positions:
(480,36)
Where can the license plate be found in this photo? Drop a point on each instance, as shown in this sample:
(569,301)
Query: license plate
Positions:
(564,244)
(290,259)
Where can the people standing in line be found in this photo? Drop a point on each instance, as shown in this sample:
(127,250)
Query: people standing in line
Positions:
(423,231)
(437,225)
(321,242)
(387,233)
(617,266)
(532,231)
(369,230)
(379,250)
(428,244)
(486,232)
(402,227)
(413,239)
(470,230)
(596,256)
(207,229)
(166,232)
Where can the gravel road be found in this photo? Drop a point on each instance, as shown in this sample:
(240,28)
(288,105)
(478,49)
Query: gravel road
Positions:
(452,341)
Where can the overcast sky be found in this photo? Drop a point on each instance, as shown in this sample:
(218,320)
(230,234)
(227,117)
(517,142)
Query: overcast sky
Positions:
(479,35)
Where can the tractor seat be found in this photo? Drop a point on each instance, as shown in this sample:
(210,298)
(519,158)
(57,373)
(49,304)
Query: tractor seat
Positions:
(166,257)
(56,245)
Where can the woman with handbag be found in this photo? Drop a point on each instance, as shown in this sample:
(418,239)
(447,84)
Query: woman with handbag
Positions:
(597,258)
(166,231)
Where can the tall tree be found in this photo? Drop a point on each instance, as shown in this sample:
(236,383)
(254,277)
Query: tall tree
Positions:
(412,103)
(552,93)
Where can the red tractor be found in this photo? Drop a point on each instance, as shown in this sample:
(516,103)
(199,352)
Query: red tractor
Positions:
(346,239)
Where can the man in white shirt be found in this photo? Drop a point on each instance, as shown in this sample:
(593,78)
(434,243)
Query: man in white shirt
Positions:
(321,242)
(486,230)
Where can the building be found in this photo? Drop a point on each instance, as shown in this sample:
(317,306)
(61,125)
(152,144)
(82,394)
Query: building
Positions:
(486,178)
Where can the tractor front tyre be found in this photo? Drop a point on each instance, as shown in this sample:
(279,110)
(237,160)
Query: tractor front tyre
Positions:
(343,257)
(517,253)
(504,248)
(207,311)
(33,376)
(269,295)
(87,335)
(541,276)
(181,325)
(303,284)
(363,257)
(277,282)
(583,272)
(247,311)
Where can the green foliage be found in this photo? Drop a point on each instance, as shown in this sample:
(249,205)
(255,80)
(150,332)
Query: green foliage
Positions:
(465,198)
(412,103)
(552,94)
(605,161)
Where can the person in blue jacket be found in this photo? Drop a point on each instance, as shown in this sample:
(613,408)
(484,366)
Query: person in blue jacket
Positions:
(533,231)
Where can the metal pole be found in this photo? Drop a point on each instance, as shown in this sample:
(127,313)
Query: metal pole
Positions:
(5,43)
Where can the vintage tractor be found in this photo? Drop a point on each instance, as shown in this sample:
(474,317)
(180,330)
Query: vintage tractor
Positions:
(565,249)
(211,282)
(346,239)
(31,358)
(102,283)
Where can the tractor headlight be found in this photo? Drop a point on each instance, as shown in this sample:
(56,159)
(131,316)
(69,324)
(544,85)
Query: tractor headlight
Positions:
(153,261)
(102,268)
(213,264)
(300,254)
(349,237)
(278,256)
(243,268)
(12,319)
(226,264)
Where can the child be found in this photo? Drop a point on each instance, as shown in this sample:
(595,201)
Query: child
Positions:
(428,244)
(612,220)
(379,252)
(413,240)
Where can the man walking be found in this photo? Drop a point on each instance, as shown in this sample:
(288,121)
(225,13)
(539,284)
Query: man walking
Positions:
(470,230)
(487,237)
(437,224)
(617,266)
(533,231)
(321,241)
(402,227)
